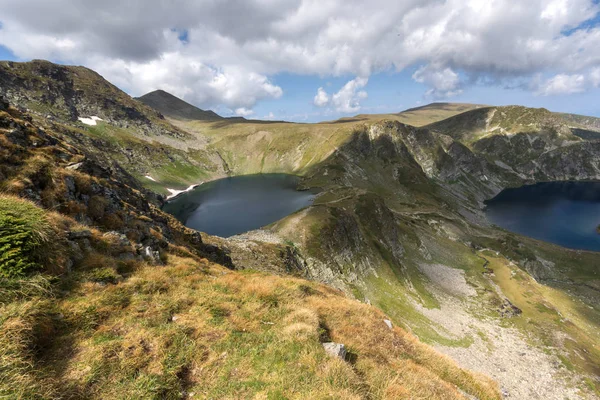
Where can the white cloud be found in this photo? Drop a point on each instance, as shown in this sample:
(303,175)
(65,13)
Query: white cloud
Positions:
(228,56)
(562,84)
(347,100)
(243,112)
(443,81)
(193,81)
(321,98)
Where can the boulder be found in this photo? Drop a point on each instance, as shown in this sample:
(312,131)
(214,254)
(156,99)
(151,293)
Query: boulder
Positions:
(117,239)
(150,255)
(388,323)
(335,349)
(509,310)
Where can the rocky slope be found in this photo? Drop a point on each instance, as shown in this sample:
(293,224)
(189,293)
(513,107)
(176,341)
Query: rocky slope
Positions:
(136,136)
(535,144)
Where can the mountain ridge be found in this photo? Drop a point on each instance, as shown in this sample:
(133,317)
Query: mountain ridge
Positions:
(174,107)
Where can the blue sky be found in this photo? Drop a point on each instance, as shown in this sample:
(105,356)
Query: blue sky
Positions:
(390,92)
(270,58)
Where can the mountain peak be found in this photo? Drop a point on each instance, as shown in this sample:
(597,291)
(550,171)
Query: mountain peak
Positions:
(176,108)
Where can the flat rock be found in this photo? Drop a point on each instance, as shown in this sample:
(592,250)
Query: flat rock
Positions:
(335,349)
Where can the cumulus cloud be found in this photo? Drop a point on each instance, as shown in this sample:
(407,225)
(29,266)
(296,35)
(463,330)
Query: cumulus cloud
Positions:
(347,100)
(232,47)
(562,84)
(243,112)
(321,98)
(444,82)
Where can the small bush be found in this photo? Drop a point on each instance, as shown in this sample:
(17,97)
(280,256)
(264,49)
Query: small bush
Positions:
(24,232)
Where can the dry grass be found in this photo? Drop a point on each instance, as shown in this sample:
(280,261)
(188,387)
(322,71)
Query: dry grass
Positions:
(195,329)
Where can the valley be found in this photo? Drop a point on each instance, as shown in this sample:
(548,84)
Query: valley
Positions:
(397,230)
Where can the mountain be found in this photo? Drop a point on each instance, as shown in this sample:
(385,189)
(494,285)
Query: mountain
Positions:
(173,107)
(68,93)
(536,144)
(583,126)
(105,296)
(399,204)
(89,111)
(397,232)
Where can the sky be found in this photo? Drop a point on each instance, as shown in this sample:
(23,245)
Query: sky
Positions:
(315,60)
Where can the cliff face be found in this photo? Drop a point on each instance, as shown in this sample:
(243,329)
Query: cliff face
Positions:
(534,144)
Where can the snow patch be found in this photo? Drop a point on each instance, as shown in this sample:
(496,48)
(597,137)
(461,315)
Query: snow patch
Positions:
(149,177)
(175,192)
(90,121)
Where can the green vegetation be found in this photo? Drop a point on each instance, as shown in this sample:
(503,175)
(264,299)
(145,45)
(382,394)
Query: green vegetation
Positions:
(24,232)
(194,327)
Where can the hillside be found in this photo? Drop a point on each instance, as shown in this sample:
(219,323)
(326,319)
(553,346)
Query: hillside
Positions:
(417,116)
(400,211)
(430,113)
(111,298)
(583,126)
(173,107)
(398,226)
(536,144)
(127,131)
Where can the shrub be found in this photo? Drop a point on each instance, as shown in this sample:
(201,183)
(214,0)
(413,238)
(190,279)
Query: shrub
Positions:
(24,232)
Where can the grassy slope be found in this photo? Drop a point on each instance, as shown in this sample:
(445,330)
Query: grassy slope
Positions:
(254,147)
(114,329)
(419,116)
(582,121)
(430,113)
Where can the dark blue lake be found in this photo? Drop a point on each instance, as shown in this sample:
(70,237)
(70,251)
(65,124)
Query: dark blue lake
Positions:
(564,213)
(230,206)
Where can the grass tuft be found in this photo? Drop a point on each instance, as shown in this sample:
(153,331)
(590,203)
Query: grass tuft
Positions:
(24,233)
